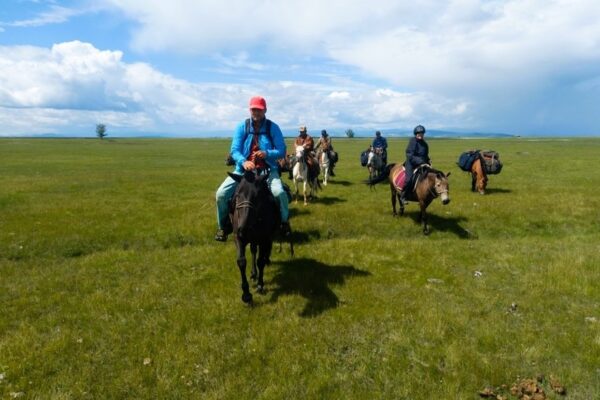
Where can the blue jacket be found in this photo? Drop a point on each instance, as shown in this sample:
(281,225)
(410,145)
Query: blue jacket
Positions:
(380,142)
(241,145)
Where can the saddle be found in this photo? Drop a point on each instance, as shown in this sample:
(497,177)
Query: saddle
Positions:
(399,177)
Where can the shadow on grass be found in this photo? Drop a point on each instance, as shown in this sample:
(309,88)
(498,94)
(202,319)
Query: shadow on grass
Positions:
(497,190)
(311,279)
(341,183)
(444,224)
(296,211)
(328,200)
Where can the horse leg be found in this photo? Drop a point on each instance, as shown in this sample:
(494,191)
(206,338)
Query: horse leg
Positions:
(304,191)
(241,262)
(393,191)
(423,217)
(253,249)
(473,181)
(263,259)
(325,174)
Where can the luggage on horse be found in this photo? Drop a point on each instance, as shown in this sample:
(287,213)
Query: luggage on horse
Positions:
(333,156)
(364,158)
(491,160)
(466,160)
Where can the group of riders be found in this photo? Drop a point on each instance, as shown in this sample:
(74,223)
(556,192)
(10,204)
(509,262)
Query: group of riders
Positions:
(258,145)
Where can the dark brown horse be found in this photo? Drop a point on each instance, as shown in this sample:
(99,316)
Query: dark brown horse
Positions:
(430,183)
(255,218)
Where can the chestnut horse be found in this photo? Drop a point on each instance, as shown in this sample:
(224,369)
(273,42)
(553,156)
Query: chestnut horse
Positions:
(479,178)
(430,183)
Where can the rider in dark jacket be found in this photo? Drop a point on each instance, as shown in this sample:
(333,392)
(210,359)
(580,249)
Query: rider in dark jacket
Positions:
(380,142)
(417,153)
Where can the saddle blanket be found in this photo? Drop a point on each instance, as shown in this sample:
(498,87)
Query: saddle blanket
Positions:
(398,178)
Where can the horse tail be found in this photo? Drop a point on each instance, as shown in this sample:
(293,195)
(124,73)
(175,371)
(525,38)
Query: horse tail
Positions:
(382,177)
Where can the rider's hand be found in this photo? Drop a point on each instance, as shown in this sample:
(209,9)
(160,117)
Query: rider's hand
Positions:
(248,165)
(261,155)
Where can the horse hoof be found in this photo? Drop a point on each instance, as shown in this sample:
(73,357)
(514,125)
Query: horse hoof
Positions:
(247,298)
(261,290)
(425,232)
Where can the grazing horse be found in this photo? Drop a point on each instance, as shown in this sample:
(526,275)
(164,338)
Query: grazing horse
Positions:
(255,218)
(323,157)
(479,177)
(301,172)
(375,162)
(430,183)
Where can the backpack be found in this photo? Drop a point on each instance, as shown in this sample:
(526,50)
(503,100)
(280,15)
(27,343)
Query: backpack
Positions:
(229,160)
(491,160)
(364,158)
(466,160)
(334,156)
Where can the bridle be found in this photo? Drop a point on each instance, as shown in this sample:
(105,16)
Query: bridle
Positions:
(244,204)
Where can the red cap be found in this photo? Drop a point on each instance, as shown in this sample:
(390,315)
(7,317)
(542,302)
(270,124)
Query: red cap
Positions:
(258,102)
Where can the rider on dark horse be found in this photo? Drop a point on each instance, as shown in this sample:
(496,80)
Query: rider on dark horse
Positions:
(379,142)
(417,153)
(254,147)
(326,146)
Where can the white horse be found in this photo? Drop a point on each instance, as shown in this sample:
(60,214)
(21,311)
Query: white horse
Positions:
(324,163)
(375,161)
(301,173)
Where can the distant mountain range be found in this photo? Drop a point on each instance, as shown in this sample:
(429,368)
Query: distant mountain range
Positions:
(358,133)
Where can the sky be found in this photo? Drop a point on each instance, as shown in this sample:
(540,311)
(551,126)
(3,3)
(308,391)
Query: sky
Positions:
(189,67)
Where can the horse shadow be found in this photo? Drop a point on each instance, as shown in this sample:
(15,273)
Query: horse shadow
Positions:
(294,212)
(311,279)
(305,236)
(497,190)
(445,224)
(341,183)
(328,200)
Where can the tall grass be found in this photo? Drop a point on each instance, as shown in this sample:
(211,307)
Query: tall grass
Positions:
(111,285)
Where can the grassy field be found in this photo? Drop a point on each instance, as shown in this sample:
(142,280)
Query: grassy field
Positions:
(112,287)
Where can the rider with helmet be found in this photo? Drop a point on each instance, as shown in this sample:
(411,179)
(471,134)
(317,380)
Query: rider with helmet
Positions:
(417,153)
(325,144)
(380,142)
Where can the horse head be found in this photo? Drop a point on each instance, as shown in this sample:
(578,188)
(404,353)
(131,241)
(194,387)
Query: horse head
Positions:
(299,153)
(251,192)
(442,187)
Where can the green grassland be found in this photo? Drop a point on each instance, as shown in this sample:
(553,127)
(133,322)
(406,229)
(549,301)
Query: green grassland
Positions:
(112,287)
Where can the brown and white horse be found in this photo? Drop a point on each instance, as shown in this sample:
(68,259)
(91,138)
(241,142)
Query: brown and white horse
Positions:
(301,173)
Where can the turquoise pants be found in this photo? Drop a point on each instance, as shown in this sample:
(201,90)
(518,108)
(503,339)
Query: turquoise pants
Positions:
(227,188)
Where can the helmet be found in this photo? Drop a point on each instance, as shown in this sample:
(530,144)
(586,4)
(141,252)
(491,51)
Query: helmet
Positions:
(258,102)
(323,132)
(419,129)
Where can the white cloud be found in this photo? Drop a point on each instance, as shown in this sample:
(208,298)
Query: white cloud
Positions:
(492,55)
(54,15)
(72,86)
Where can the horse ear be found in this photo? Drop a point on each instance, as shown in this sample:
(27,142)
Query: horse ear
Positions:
(448,174)
(235,177)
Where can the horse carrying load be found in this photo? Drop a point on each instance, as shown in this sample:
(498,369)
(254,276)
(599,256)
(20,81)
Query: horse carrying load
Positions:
(490,158)
(480,164)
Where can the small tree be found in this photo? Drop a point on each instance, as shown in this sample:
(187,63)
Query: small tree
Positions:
(101,131)
(349,133)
